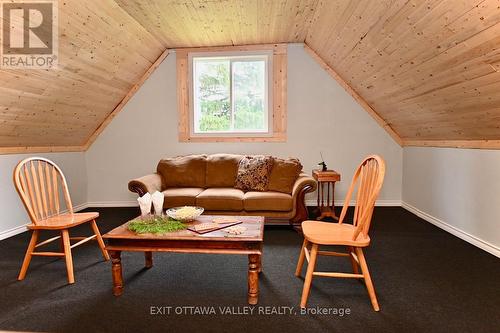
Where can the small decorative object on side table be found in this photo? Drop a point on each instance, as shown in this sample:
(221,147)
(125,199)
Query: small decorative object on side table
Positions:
(326,178)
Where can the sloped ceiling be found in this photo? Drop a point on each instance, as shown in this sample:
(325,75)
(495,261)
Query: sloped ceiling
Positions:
(429,69)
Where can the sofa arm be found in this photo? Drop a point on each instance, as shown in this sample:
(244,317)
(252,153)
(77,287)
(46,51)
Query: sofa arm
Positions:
(149,183)
(304,184)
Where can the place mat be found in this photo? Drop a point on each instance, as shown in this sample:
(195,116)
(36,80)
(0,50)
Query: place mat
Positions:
(219,227)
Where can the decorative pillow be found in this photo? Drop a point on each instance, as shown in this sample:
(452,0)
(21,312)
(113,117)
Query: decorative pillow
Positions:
(284,174)
(253,173)
(183,171)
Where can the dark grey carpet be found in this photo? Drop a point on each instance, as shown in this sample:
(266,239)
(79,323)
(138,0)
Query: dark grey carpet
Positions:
(426,281)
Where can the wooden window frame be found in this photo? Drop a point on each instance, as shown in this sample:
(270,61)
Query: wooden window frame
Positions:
(278,119)
(231,57)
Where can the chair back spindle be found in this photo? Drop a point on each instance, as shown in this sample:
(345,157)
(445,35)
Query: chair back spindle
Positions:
(368,178)
(40,182)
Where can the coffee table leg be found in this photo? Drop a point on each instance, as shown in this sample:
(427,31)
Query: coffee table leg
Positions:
(148,256)
(253,278)
(260,264)
(116,269)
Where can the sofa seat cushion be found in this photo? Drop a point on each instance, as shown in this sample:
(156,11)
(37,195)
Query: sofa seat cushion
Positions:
(223,198)
(182,196)
(270,201)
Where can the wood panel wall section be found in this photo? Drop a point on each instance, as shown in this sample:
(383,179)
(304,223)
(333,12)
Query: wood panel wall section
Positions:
(354,95)
(125,100)
(200,23)
(103,53)
(465,144)
(279,111)
(428,71)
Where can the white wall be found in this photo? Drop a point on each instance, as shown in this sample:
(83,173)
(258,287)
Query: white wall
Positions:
(456,189)
(14,216)
(321,117)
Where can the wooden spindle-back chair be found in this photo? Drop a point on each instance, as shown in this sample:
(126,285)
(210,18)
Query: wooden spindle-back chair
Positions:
(42,188)
(368,179)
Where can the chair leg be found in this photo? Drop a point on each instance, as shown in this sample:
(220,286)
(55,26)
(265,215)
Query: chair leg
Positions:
(368,280)
(67,255)
(354,263)
(309,275)
(300,263)
(99,240)
(27,257)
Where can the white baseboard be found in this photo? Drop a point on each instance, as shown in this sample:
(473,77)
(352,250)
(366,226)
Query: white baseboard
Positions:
(22,228)
(80,207)
(340,203)
(309,202)
(132,203)
(12,232)
(482,244)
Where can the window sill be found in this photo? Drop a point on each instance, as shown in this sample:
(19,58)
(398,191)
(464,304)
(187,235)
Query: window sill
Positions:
(278,137)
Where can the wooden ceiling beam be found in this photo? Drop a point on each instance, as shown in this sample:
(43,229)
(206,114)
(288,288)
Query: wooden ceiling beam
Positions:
(465,144)
(33,149)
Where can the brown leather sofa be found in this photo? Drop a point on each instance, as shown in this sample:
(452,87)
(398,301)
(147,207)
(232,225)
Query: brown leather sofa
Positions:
(208,181)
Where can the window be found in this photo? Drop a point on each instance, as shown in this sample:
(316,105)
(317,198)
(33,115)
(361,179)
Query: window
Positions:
(232,93)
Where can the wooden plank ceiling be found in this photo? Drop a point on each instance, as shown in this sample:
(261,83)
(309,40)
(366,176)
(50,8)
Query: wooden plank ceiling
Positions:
(428,68)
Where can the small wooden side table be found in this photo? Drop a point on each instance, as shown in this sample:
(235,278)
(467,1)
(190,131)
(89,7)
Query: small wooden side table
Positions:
(326,179)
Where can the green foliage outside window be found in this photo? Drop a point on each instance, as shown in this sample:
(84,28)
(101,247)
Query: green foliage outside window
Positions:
(214,95)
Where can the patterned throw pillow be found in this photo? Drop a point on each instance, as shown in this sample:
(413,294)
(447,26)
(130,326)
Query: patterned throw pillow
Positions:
(253,173)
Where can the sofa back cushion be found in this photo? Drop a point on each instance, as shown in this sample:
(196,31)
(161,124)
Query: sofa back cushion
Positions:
(253,173)
(222,170)
(284,174)
(183,171)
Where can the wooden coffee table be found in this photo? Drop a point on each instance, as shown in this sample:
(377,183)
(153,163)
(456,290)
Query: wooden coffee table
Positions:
(185,241)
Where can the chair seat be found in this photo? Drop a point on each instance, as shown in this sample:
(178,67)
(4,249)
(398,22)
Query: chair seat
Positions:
(64,221)
(325,233)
